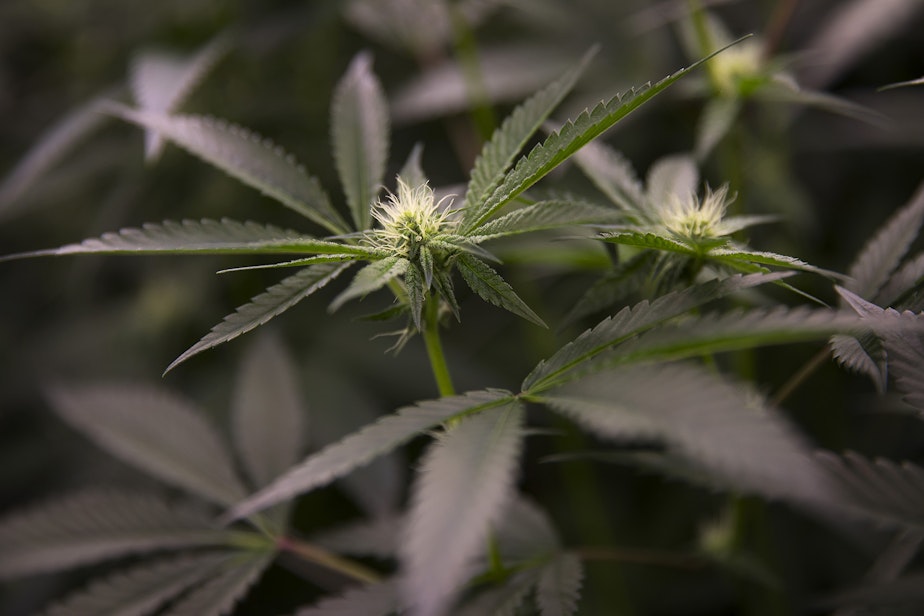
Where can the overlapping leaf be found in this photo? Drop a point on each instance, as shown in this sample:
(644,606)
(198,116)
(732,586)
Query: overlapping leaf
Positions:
(559,146)
(465,479)
(161,433)
(371,278)
(359,448)
(271,303)
(559,585)
(245,156)
(218,595)
(546,215)
(488,284)
(91,526)
(370,600)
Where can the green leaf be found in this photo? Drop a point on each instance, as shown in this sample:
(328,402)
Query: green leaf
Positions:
(412,172)
(559,146)
(363,446)
(504,599)
(160,81)
(884,251)
(640,239)
(490,287)
(466,476)
(157,431)
(360,133)
(140,590)
(272,302)
(507,141)
(559,585)
(268,414)
(50,148)
(729,255)
(92,526)
(218,596)
(372,278)
(370,600)
(614,286)
(630,321)
(712,424)
(546,215)
(245,156)
(416,292)
(881,490)
(207,236)
(612,174)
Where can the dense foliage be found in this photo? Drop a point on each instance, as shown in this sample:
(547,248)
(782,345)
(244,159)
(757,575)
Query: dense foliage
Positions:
(541,366)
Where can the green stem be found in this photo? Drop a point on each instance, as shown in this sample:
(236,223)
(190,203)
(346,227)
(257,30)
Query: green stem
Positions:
(431,336)
(334,562)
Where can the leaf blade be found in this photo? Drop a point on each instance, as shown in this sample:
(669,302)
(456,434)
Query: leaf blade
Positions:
(360,134)
(489,286)
(359,448)
(465,479)
(271,303)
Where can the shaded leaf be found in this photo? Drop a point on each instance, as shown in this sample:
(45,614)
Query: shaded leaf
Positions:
(903,283)
(630,321)
(718,116)
(504,599)
(361,447)
(880,490)
(160,81)
(370,600)
(559,146)
(612,174)
(412,172)
(416,291)
(218,595)
(507,141)
(489,286)
(360,133)
(91,526)
(378,537)
(268,415)
(719,427)
(884,251)
(669,177)
(733,255)
(206,236)
(245,156)
(614,286)
(858,357)
(159,432)
(142,589)
(466,477)
(559,586)
(50,148)
(642,239)
(371,278)
(271,303)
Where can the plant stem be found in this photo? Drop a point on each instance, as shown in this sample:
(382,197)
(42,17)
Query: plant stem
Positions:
(431,336)
(799,377)
(320,556)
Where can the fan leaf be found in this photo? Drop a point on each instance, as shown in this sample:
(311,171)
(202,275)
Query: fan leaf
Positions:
(206,236)
(560,145)
(707,421)
(465,479)
(612,174)
(378,537)
(510,138)
(140,590)
(360,134)
(630,321)
(92,526)
(271,303)
(159,432)
(371,600)
(245,156)
(363,446)
(267,411)
(546,215)
(372,278)
(559,586)
(218,595)
(160,82)
(489,286)
(884,251)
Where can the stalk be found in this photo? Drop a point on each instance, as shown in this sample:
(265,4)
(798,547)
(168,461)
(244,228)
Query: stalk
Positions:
(334,562)
(431,336)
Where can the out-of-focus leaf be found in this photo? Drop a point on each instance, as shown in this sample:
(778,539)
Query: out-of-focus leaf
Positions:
(370,600)
(217,596)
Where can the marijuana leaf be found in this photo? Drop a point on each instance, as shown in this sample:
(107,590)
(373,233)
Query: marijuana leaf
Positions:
(92,526)
(359,448)
(370,600)
(487,283)
(245,156)
(158,432)
(218,595)
(465,478)
(359,128)
(559,585)
(271,303)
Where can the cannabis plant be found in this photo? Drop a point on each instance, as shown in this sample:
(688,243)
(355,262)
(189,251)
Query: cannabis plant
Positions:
(646,360)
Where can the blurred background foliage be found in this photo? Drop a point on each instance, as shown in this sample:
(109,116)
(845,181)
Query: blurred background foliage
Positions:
(832,180)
